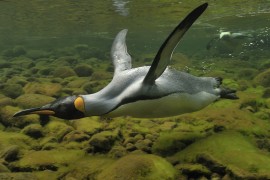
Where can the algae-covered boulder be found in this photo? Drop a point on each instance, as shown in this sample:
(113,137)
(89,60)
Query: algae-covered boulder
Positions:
(47,160)
(103,141)
(88,167)
(57,129)
(33,100)
(33,130)
(83,70)
(64,72)
(89,125)
(12,90)
(36,54)
(5,101)
(263,78)
(10,153)
(228,152)
(169,143)
(77,83)
(45,88)
(139,166)
(7,119)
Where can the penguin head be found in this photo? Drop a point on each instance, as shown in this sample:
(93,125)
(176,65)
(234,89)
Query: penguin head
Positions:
(71,107)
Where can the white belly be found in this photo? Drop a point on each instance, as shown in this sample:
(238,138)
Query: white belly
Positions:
(167,106)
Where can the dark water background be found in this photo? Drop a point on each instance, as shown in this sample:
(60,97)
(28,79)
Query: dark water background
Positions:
(49,24)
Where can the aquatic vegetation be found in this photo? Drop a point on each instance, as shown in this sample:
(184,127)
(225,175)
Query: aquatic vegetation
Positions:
(228,140)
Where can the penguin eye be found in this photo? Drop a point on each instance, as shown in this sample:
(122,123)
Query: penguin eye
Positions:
(79,104)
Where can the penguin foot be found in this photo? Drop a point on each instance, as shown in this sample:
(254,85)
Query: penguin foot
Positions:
(227,93)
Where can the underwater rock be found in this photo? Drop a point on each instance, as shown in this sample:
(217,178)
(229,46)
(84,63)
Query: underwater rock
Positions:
(23,62)
(12,90)
(247,73)
(167,126)
(6,117)
(266,93)
(169,143)
(193,171)
(117,152)
(228,152)
(6,101)
(47,160)
(33,130)
(139,166)
(88,167)
(144,145)
(45,88)
(58,129)
(83,70)
(263,79)
(17,80)
(76,136)
(5,65)
(77,83)
(45,71)
(33,100)
(3,169)
(102,142)
(64,72)
(89,125)
(10,153)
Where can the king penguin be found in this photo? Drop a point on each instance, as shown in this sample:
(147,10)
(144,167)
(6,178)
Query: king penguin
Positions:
(154,91)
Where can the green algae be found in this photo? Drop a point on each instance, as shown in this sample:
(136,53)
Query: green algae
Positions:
(140,166)
(232,150)
(52,160)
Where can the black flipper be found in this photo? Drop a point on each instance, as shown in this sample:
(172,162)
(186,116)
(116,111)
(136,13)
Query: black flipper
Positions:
(227,93)
(164,54)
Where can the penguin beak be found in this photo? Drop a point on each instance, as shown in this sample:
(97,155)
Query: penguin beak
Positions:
(39,110)
(71,107)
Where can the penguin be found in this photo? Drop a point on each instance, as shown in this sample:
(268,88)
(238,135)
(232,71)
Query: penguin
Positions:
(154,91)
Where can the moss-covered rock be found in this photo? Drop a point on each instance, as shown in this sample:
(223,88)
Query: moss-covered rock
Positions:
(45,88)
(102,142)
(47,160)
(77,83)
(88,167)
(33,130)
(263,78)
(3,169)
(169,143)
(7,119)
(10,139)
(10,153)
(33,100)
(12,90)
(193,170)
(89,125)
(228,152)
(83,70)
(6,101)
(57,129)
(141,166)
(64,72)
(77,136)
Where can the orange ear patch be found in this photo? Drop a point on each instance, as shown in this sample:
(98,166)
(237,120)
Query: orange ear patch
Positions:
(79,104)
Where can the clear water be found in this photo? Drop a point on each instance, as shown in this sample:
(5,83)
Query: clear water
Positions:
(235,133)
(49,24)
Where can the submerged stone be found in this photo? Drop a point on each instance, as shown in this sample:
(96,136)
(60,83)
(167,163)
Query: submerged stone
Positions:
(45,88)
(139,166)
(33,100)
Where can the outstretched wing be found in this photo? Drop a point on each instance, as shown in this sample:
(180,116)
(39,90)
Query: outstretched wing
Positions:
(121,58)
(164,54)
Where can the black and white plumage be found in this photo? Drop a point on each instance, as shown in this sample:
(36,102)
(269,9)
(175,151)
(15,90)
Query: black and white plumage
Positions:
(144,92)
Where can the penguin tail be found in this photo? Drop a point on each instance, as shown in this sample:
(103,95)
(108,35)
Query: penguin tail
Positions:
(227,93)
